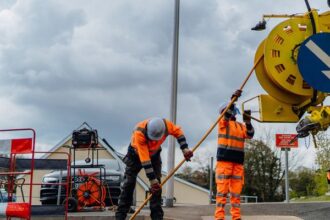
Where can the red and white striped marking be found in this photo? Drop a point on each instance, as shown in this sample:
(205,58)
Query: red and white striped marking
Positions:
(16,146)
(13,209)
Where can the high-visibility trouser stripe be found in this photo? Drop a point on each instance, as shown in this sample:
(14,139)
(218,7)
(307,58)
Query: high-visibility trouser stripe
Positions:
(227,147)
(231,137)
(235,205)
(220,205)
(235,195)
(3,208)
(222,176)
(146,163)
(222,195)
(149,170)
(5,146)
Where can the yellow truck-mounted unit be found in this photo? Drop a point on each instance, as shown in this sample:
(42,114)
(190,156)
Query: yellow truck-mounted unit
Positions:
(317,120)
(289,96)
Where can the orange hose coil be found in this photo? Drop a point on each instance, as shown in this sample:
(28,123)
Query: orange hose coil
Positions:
(92,192)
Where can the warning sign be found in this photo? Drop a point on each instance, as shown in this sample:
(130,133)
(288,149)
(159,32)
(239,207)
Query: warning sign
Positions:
(286,140)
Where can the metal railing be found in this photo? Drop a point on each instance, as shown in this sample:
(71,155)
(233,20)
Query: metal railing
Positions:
(246,199)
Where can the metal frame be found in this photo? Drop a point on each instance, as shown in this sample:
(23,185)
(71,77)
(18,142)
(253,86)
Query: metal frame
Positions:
(67,184)
(11,174)
(12,182)
(94,164)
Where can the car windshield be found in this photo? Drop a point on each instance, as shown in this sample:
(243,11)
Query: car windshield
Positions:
(110,164)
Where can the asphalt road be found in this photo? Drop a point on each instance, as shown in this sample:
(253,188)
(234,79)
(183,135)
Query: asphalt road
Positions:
(305,211)
(255,211)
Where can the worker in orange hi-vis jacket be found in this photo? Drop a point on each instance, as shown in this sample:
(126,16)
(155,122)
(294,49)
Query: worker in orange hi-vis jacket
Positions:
(144,152)
(230,159)
(328,176)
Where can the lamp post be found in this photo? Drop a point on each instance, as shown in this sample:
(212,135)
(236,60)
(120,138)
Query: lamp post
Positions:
(173,110)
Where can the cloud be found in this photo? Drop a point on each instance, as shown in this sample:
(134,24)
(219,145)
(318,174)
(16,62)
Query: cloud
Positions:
(109,62)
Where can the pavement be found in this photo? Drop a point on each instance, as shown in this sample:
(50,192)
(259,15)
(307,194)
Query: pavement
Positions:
(256,217)
(250,211)
(264,211)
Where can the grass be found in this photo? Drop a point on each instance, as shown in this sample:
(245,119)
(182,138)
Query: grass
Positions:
(312,199)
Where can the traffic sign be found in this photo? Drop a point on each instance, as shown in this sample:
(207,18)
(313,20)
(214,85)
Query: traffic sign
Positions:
(314,61)
(284,140)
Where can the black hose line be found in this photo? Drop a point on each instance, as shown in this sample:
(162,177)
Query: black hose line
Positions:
(311,15)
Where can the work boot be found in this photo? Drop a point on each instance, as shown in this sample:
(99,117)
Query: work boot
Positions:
(157,215)
(120,216)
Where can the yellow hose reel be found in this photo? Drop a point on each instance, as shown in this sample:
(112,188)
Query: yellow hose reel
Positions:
(278,71)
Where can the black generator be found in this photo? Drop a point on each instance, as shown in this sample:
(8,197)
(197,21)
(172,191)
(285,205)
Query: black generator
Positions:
(85,138)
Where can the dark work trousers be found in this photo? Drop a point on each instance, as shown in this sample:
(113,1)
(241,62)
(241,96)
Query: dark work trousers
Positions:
(133,167)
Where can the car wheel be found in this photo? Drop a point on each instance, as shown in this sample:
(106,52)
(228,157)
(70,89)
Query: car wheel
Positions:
(72,204)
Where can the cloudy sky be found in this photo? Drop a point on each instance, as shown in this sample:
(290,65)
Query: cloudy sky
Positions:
(109,63)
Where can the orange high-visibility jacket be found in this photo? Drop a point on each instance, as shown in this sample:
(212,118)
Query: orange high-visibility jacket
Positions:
(328,176)
(231,139)
(146,148)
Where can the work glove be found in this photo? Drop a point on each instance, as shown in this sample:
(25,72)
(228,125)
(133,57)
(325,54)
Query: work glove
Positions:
(188,154)
(155,186)
(247,116)
(236,94)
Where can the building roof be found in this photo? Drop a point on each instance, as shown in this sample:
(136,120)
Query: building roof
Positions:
(104,143)
(118,156)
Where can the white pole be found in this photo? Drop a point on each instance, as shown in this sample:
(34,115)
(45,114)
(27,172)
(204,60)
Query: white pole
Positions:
(287,199)
(174,91)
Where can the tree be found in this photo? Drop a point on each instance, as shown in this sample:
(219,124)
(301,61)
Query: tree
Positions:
(302,182)
(323,162)
(321,183)
(263,173)
(323,151)
(198,176)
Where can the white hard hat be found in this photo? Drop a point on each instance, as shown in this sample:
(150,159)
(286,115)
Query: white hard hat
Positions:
(225,104)
(155,129)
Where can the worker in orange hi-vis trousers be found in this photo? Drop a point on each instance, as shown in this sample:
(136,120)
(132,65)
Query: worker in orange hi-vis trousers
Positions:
(230,159)
(144,152)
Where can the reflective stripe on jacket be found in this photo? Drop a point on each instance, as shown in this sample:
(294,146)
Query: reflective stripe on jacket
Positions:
(231,138)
